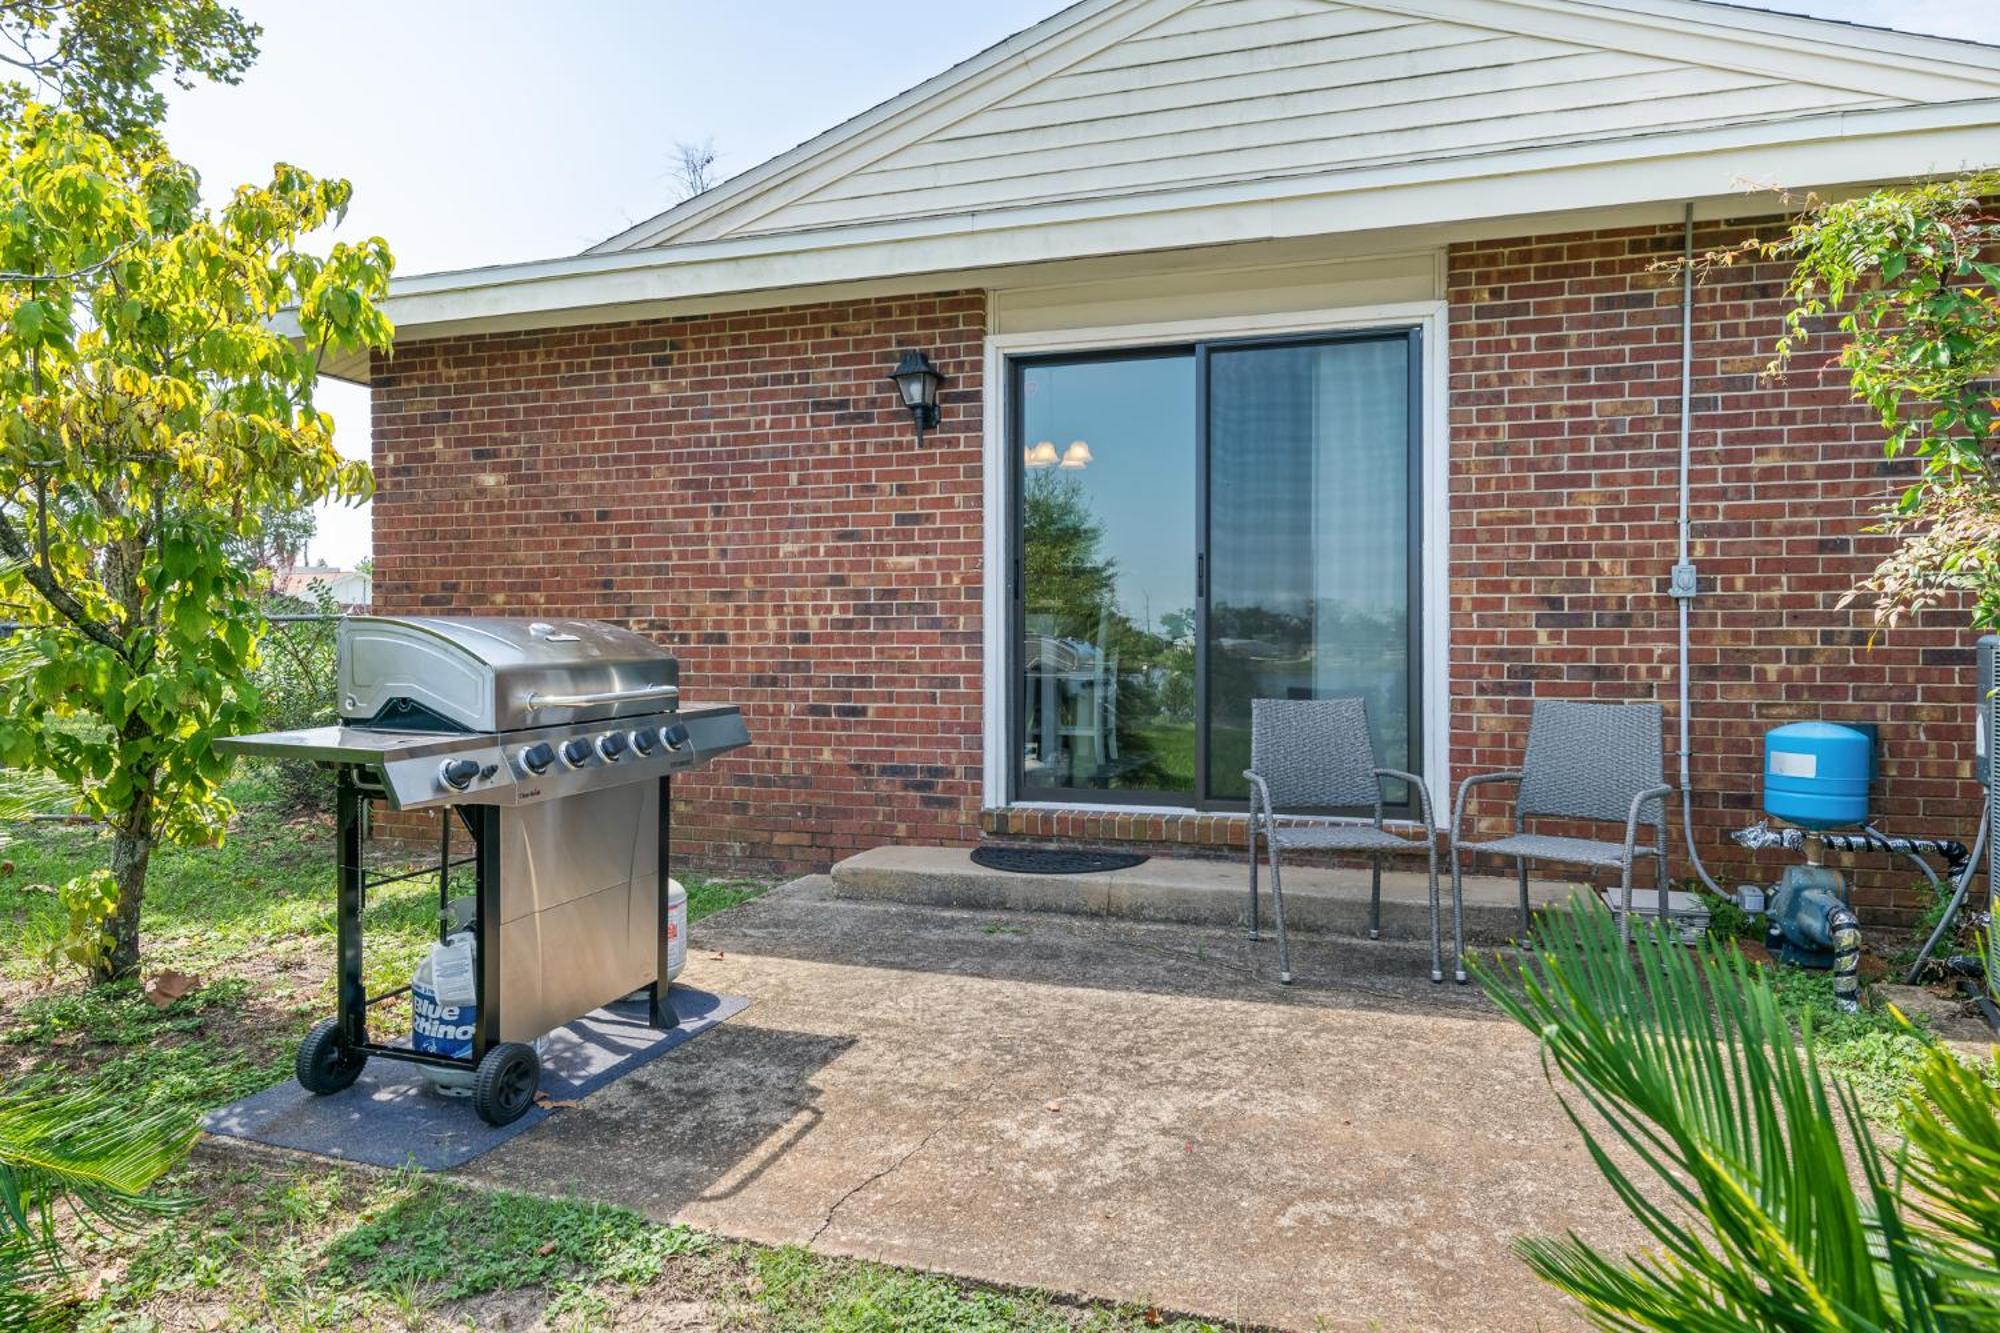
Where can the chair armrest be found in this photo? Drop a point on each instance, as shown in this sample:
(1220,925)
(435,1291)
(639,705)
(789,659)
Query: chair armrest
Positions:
(1261,793)
(1416,784)
(1659,793)
(1476,780)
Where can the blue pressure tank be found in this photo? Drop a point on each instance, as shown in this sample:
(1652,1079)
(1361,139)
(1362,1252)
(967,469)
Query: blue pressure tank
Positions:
(1816,774)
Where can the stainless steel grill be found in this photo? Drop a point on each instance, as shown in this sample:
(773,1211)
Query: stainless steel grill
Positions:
(554,743)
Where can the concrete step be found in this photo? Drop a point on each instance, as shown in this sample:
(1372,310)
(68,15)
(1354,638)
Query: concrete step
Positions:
(1194,892)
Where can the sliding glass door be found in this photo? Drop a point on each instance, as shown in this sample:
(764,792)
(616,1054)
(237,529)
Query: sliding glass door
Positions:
(1106,501)
(1198,527)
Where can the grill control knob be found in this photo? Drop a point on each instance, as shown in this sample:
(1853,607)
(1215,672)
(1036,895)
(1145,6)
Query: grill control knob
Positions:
(643,741)
(537,757)
(458,773)
(674,736)
(576,753)
(611,746)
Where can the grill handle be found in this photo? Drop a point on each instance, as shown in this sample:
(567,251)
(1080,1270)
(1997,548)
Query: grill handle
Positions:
(538,700)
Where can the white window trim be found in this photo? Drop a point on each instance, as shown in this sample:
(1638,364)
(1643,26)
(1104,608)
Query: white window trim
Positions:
(1428,316)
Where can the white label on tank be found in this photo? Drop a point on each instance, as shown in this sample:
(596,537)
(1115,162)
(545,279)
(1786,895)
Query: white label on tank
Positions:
(1792,764)
(451,972)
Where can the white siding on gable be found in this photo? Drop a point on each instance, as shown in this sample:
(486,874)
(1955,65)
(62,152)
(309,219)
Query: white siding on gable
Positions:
(1229,90)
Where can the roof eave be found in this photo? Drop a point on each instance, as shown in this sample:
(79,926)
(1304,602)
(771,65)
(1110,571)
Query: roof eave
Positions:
(1714,163)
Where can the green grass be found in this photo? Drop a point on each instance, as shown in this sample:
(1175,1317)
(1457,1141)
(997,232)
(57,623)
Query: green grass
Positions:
(457,1243)
(1872,1050)
(799,1291)
(306,1247)
(707,895)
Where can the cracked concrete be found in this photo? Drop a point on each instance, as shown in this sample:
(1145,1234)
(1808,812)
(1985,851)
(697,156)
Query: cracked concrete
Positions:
(1098,1107)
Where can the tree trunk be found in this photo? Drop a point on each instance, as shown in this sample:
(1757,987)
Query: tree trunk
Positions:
(131,849)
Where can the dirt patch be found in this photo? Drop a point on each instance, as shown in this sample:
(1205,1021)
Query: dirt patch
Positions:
(1950,1015)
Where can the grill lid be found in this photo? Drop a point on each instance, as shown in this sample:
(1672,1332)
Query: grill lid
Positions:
(497,673)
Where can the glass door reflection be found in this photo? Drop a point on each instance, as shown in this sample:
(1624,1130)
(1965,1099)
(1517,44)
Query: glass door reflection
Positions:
(1106,452)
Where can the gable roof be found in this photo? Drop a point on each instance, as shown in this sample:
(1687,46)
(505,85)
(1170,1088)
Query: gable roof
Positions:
(1117,97)
(1131,132)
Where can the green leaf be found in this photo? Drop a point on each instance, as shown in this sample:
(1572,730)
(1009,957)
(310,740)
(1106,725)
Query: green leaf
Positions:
(27,322)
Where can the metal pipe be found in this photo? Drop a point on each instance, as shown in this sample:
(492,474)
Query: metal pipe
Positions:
(1686,597)
(1762,837)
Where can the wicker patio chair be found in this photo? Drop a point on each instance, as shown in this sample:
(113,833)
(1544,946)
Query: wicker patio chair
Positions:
(1312,754)
(1600,763)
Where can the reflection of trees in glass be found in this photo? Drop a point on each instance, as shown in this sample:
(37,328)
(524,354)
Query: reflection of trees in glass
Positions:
(1068,575)
(1072,592)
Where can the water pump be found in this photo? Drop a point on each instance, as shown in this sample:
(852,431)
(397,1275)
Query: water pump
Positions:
(1816,777)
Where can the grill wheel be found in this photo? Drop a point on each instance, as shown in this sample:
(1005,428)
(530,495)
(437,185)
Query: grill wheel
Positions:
(504,1088)
(324,1063)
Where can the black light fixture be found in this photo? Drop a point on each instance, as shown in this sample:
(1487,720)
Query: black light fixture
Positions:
(917,380)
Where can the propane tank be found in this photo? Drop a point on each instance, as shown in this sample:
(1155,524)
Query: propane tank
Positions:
(677,928)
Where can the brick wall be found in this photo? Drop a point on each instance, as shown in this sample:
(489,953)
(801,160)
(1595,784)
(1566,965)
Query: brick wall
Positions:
(1565,366)
(744,489)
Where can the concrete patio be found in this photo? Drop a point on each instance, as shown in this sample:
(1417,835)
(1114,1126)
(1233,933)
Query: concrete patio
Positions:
(1099,1107)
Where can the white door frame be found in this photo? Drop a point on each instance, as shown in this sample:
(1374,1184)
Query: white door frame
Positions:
(1428,316)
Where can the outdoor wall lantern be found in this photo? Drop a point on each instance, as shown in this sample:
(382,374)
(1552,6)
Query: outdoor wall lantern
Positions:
(917,380)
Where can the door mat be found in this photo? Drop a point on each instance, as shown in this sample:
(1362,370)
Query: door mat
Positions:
(1054,860)
(392,1117)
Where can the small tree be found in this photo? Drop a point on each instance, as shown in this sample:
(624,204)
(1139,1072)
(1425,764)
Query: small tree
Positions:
(693,167)
(1915,275)
(152,414)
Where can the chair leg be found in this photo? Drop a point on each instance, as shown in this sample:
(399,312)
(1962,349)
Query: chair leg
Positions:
(1457,918)
(1278,912)
(1375,899)
(1625,904)
(1253,882)
(1521,872)
(1437,932)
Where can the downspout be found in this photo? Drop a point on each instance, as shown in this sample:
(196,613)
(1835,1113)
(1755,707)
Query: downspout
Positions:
(1683,585)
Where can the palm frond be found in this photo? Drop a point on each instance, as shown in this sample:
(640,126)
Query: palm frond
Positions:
(87,1151)
(1686,1059)
(85,1155)
(1953,1158)
(25,794)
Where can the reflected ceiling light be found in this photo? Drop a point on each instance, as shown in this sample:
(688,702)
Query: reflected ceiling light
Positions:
(1042,454)
(1077,455)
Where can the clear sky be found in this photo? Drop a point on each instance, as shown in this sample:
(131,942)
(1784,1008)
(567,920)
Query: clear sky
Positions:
(484,131)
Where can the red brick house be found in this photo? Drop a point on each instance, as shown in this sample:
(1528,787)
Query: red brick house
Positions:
(1292,348)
